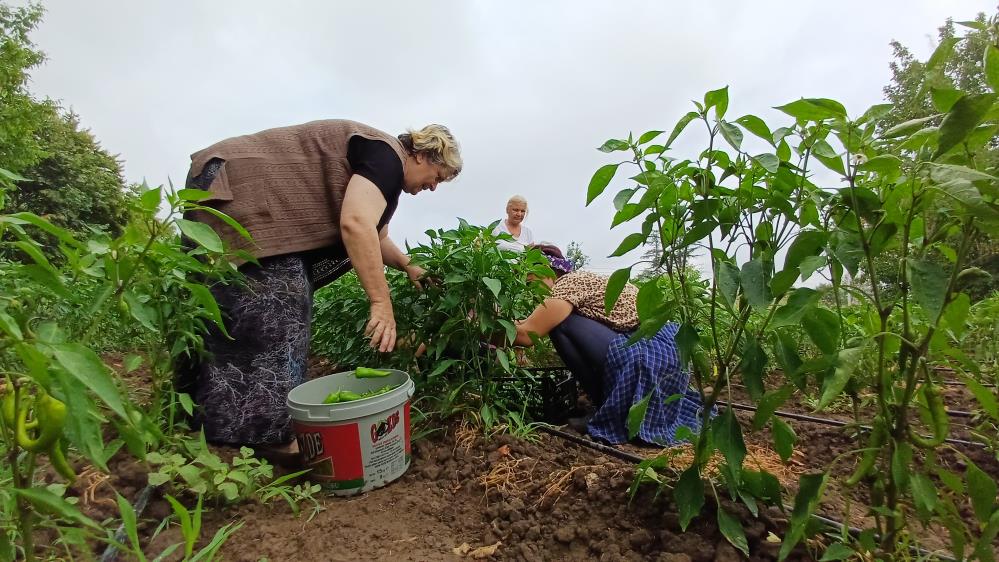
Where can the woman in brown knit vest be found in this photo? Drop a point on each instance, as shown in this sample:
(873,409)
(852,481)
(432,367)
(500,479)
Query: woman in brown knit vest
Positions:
(316,200)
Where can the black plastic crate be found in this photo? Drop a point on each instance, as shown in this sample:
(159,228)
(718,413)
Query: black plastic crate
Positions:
(552,395)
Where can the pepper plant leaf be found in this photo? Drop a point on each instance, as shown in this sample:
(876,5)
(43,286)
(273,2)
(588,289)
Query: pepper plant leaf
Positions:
(83,364)
(757,126)
(615,285)
(689,495)
(732,529)
(784,438)
(680,126)
(752,366)
(961,120)
(982,489)
(630,242)
(846,363)
(814,109)
(717,99)
(47,502)
(992,67)
(768,405)
(202,234)
(648,136)
(494,285)
(929,285)
(823,328)
(727,435)
(810,487)
(598,183)
(636,415)
(754,284)
(731,134)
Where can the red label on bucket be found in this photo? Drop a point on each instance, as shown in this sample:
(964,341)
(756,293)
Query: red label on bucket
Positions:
(332,451)
(356,455)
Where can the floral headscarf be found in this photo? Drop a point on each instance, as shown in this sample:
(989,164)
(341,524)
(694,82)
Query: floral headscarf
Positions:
(560,265)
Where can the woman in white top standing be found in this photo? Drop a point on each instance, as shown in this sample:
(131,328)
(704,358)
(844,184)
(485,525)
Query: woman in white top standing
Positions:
(516,211)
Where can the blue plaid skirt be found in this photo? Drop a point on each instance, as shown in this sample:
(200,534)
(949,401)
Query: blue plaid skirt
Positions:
(650,365)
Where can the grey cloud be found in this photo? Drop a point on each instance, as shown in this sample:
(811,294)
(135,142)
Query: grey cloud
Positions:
(530,88)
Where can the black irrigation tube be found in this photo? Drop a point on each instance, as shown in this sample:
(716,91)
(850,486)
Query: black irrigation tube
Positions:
(635,459)
(141,499)
(960,414)
(606,449)
(951,413)
(834,423)
(962,383)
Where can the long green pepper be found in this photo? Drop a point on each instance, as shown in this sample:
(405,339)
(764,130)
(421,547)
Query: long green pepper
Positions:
(339,396)
(369,373)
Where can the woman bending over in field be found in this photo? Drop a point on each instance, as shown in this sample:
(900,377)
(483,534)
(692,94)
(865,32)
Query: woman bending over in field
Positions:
(615,376)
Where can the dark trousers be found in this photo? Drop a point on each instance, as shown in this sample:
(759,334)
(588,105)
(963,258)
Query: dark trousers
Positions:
(582,344)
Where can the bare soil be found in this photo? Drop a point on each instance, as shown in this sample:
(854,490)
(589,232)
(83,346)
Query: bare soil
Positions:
(505,499)
(544,500)
(823,447)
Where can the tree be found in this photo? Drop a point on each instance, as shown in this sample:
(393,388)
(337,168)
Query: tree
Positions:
(76,184)
(575,254)
(913,85)
(70,178)
(20,115)
(919,90)
(653,256)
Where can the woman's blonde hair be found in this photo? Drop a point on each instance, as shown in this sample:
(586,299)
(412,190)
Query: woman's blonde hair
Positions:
(517,199)
(437,143)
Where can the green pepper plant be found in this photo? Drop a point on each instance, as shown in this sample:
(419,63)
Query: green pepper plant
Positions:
(765,222)
(340,313)
(742,211)
(476,290)
(57,393)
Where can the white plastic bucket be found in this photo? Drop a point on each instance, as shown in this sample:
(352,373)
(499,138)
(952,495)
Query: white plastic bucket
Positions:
(355,446)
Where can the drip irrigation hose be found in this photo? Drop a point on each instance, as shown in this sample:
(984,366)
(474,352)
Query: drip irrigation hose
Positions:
(951,413)
(141,499)
(960,414)
(635,459)
(962,383)
(606,449)
(834,423)
(789,415)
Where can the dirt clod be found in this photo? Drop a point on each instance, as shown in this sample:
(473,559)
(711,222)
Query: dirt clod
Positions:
(565,535)
(641,539)
(727,553)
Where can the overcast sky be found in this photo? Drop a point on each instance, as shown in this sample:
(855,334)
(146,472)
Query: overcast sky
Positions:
(530,88)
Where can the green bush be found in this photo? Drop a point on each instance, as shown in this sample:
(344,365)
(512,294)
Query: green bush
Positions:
(475,293)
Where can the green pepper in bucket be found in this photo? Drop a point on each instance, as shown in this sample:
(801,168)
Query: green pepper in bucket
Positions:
(378,391)
(341,396)
(369,373)
(348,396)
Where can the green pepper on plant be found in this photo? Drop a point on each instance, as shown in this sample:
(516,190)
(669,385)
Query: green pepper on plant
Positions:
(50,415)
(58,460)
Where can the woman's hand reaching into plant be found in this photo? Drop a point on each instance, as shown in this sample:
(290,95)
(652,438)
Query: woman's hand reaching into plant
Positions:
(417,275)
(381,327)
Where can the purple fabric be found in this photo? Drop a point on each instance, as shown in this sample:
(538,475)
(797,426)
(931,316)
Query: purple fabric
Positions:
(559,265)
